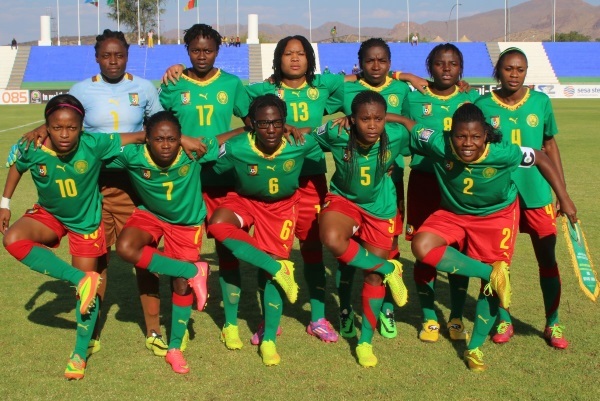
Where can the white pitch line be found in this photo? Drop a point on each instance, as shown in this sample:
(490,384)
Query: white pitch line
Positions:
(21,126)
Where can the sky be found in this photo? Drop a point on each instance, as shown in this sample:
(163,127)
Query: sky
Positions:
(21,18)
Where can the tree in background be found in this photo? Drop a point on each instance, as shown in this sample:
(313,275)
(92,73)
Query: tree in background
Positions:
(572,36)
(128,14)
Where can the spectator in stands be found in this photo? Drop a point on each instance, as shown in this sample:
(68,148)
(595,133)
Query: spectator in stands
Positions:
(150,38)
(232,41)
(414,41)
(226,41)
(355,69)
(13,44)
(333,34)
(237,41)
(326,70)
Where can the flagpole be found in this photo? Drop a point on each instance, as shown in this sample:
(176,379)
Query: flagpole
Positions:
(98,7)
(78,26)
(178,30)
(218,30)
(118,19)
(57,23)
(158,20)
(138,22)
(237,17)
(197,13)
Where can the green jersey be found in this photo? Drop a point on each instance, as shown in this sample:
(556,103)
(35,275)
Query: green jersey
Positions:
(479,188)
(435,112)
(67,184)
(265,177)
(206,108)
(171,193)
(526,123)
(306,106)
(357,177)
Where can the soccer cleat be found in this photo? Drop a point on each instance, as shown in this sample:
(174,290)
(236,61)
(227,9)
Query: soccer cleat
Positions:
(323,330)
(456,330)
(504,332)
(269,354)
(177,361)
(75,368)
(365,355)
(198,284)
(430,332)
(474,360)
(347,328)
(156,343)
(93,347)
(230,336)
(500,282)
(285,279)
(387,324)
(395,283)
(185,340)
(260,333)
(554,336)
(86,290)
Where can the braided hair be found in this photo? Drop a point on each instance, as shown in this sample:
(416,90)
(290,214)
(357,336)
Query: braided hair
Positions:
(202,30)
(108,34)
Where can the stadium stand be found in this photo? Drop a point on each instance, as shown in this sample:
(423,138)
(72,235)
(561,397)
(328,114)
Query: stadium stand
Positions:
(7,60)
(574,61)
(539,69)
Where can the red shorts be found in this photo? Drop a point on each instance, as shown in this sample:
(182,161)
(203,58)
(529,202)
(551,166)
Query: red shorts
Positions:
(485,238)
(372,230)
(90,245)
(273,222)
(423,198)
(398,224)
(540,222)
(312,191)
(213,197)
(119,200)
(180,242)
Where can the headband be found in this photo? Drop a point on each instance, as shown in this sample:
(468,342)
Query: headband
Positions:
(53,109)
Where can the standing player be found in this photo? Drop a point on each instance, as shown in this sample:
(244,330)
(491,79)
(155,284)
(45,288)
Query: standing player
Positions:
(479,209)
(168,183)
(374,58)
(204,100)
(357,220)
(525,118)
(266,172)
(65,172)
(434,109)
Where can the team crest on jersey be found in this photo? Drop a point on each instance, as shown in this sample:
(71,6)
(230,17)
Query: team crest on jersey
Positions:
(388,156)
(427,109)
(449,165)
(183,170)
(424,134)
(81,166)
(146,173)
(347,155)
(185,97)
(280,93)
(489,172)
(393,100)
(410,230)
(533,120)
(42,170)
(134,99)
(288,165)
(222,97)
(495,122)
(312,93)
(252,169)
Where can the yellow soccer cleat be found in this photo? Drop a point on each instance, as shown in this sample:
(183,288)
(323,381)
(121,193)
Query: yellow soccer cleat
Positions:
(285,279)
(157,344)
(230,336)
(474,360)
(394,281)
(86,290)
(430,332)
(500,282)
(365,355)
(269,354)
(456,330)
(75,368)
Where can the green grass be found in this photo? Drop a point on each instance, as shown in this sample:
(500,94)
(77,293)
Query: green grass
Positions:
(37,324)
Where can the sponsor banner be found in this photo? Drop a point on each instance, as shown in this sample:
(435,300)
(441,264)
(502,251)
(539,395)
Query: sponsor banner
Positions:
(570,91)
(44,96)
(14,97)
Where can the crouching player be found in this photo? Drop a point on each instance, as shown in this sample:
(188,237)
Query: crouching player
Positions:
(267,171)
(479,210)
(65,172)
(168,184)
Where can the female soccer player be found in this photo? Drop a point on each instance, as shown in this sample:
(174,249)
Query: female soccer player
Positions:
(266,172)
(434,109)
(65,172)
(525,118)
(168,183)
(357,220)
(374,58)
(479,209)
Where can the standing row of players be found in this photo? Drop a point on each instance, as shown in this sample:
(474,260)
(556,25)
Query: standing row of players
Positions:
(360,215)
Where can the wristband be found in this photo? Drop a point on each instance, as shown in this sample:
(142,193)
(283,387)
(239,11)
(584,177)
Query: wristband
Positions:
(396,75)
(5,203)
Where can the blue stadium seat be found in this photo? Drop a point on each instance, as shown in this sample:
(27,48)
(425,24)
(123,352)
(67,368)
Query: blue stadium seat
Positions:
(574,59)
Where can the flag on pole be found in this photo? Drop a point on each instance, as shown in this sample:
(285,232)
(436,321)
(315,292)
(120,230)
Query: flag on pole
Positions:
(581,259)
(91,2)
(191,4)
(110,2)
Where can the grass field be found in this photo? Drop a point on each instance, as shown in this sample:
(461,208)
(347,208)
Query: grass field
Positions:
(37,326)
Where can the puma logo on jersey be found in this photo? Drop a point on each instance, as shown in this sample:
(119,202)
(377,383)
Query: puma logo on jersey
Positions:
(454,270)
(46,272)
(470,170)
(83,326)
(204,96)
(58,166)
(272,168)
(235,294)
(514,120)
(113,101)
(96,245)
(164,173)
(285,247)
(447,108)
(297,93)
(184,322)
(482,319)
(276,306)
